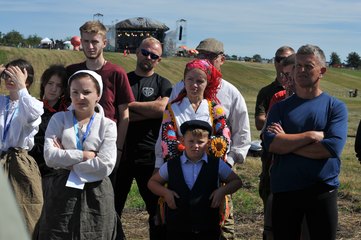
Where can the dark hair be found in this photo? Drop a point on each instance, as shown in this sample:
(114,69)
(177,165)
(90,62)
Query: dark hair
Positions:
(290,60)
(81,75)
(53,70)
(22,63)
(284,49)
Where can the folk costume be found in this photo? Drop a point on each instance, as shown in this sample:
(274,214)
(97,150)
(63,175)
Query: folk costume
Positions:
(19,122)
(79,197)
(181,110)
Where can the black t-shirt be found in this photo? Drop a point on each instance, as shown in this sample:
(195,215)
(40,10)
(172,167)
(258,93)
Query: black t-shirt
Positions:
(142,135)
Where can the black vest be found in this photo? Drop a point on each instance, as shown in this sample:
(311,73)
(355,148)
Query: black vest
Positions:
(193,211)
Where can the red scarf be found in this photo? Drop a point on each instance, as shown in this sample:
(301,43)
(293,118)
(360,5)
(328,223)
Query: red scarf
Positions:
(62,106)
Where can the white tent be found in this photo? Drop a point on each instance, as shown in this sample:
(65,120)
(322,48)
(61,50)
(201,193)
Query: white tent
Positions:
(68,45)
(46,41)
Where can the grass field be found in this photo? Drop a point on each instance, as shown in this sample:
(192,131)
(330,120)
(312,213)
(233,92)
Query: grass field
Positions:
(248,78)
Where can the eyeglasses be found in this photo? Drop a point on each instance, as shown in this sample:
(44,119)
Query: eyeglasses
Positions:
(146,53)
(279,58)
(285,75)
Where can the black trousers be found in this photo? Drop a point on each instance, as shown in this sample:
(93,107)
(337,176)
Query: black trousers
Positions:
(127,171)
(319,207)
(206,235)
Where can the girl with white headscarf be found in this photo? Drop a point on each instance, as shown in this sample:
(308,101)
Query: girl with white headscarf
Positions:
(81,145)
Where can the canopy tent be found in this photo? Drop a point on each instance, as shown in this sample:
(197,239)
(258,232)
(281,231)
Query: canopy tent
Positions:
(141,23)
(130,32)
(46,41)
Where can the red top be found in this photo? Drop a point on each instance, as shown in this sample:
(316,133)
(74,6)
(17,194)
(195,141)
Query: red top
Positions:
(277,97)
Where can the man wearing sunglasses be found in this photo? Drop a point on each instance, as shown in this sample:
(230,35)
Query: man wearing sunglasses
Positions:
(236,113)
(151,92)
(265,94)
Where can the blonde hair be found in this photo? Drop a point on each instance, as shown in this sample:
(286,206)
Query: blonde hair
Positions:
(94,27)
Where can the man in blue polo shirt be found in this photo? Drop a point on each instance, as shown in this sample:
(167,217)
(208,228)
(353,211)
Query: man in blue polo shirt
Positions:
(307,133)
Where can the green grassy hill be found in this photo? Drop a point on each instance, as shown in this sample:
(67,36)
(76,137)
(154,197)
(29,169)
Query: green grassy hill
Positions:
(248,78)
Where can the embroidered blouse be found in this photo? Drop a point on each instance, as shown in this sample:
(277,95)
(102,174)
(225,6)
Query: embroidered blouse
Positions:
(180,112)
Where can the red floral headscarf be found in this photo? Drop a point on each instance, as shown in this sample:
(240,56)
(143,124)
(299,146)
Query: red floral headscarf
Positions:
(214,78)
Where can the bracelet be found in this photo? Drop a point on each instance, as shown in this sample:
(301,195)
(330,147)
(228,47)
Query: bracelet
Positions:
(120,149)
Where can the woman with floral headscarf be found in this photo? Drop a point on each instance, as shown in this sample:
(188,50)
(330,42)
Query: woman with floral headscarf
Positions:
(196,101)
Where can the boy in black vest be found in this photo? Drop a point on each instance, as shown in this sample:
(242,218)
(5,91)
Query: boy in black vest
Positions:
(194,192)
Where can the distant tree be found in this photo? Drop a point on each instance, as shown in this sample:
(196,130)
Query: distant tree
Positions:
(33,40)
(13,38)
(335,59)
(247,59)
(1,38)
(257,58)
(353,60)
(234,57)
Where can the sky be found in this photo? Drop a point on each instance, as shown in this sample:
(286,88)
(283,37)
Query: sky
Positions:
(245,27)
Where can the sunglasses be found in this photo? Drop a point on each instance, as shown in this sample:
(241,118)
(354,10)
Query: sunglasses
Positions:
(146,53)
(279,58)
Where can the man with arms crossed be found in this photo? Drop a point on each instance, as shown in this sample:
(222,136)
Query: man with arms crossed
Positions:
(151,92)
(306,132)
(117,93)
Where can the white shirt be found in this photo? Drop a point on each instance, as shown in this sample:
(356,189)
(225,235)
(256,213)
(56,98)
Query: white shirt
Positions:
(101,139)
(21,118)
(183,111)
(237,120)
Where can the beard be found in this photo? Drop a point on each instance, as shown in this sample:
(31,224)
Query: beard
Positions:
(145,66)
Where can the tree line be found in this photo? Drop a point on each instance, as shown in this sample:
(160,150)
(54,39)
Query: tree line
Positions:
(353,60)
(16,39)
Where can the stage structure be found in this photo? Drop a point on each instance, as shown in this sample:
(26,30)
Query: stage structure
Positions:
(175,42)
(181,32)
(130,32)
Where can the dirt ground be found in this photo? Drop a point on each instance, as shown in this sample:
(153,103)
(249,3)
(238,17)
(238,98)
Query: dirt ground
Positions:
(250,226)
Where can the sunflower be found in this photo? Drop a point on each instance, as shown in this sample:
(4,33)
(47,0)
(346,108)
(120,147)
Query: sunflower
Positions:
(218,146)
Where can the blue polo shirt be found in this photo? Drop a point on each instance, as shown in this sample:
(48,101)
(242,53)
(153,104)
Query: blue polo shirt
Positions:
(291,172)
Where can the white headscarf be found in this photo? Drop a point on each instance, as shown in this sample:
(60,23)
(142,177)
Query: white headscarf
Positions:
(93,74)
(98,78)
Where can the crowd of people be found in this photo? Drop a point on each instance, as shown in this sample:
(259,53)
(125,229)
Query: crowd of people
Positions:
(71,156)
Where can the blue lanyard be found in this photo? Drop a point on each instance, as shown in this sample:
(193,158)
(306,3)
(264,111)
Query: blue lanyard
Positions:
(79,144)
(7,123)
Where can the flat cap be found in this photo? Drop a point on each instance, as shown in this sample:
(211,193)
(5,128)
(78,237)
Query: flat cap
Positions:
(195,124)
(211,45)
